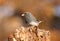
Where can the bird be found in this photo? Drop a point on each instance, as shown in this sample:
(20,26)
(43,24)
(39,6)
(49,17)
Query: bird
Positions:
(30,19)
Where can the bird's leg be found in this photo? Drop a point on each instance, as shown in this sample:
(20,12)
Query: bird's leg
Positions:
(36,30)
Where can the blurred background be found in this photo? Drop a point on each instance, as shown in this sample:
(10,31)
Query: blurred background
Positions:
(47,11)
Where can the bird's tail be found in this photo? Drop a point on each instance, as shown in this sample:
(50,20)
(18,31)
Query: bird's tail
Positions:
(40,21)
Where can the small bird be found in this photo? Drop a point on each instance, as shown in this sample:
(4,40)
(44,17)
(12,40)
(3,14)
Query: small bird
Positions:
(30,19)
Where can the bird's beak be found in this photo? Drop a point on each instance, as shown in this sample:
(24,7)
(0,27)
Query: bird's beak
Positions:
(23,15)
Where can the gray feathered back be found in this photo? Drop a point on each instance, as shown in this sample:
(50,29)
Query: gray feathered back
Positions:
(30,19)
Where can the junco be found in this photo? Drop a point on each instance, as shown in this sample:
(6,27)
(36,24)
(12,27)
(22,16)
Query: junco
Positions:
(30,19)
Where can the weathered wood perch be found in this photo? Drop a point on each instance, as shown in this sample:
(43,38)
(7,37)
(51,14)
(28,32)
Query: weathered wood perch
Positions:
(29,34)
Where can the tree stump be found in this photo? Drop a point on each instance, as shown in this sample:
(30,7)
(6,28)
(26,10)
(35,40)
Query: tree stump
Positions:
(29,34)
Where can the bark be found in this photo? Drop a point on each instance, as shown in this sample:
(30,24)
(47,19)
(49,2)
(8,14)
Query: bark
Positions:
(30,34)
